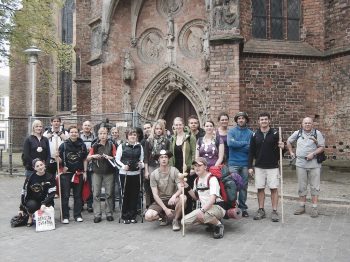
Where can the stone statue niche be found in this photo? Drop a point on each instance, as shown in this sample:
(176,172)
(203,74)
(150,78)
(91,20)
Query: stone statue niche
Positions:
(225,15)
(128,67)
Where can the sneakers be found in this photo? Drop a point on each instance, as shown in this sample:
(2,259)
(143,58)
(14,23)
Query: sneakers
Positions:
(245,213)
(133,221)
(314,212)
(176,225)
(300,210)
(126,221)
(90,209)
(218,231)
(65,221)
(79,219)
(97,219)
(274,216)
(110,218)
(260,214)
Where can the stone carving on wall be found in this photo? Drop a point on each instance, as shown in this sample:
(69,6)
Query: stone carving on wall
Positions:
(166,7)
(192,39)
(128,67)
(96,40)
(170,31)
(225,15)
(151,47)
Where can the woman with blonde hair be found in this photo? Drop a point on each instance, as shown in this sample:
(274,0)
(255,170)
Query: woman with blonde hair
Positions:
(35,146)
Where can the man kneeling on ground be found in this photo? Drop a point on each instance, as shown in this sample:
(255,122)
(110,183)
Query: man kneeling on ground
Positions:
(166,191)
(207,190)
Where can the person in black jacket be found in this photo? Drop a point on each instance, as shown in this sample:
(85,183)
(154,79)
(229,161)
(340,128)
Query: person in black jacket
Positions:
(35,146)
(38,191)
(72,156)
(265,149)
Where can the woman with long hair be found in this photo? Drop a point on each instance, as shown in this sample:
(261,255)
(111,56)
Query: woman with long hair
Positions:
(129,158)
(38,191)
(35,146)
(156,142)
(221,132)
(210,146)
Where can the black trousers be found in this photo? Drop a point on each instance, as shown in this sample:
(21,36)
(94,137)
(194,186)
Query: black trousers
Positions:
(66,185)
(130,190)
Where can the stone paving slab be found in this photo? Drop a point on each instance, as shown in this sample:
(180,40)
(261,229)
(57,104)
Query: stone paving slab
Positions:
(300,238)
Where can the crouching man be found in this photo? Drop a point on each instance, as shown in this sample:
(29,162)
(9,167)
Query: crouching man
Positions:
(166,192)
(207,190)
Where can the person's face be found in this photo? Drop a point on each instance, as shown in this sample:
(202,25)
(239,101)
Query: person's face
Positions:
(223,121)
(102,135)
(38,128)
(163,160)
(209,128)
(193,124)
(307,124)
(87,127)
(179,126)
(241,121)
(264,122)
(56,123)
(73,134)
(158,131)
(147,128)
(40,167)
(115,134)
(132,138)
(200,168)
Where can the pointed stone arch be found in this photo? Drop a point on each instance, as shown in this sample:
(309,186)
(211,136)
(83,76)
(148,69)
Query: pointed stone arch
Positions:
(169,82)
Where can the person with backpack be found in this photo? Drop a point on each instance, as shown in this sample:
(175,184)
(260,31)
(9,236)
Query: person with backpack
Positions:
(156,142)
(166,191)
(102,155)
(129,158)
(265,150)
(72,156)
(309,144)
(210,146)
(206,189)
(238,140)
(35,146)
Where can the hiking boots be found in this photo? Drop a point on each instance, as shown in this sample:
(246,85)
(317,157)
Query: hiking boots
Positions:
(274,216)
(245,213)
(300,210)
(176,225)
(260,214)
(218,231)
(314,212)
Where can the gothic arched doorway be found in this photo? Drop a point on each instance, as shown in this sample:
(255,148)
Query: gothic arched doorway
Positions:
(179,106)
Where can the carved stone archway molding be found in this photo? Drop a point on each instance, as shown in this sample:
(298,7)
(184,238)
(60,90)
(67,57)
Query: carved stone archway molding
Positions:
(170,81)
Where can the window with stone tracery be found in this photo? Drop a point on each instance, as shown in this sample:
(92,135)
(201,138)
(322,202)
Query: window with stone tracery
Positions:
(65,78)
(276,19)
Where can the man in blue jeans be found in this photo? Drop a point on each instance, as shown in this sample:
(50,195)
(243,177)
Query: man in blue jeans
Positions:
(238,141)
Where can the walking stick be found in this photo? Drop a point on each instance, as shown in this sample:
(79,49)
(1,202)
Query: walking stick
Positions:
(281,172)
(183,188)
(59,180)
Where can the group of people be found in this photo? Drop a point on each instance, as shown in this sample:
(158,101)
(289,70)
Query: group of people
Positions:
(158,161)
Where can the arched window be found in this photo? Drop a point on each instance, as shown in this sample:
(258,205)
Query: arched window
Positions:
(65,80)
(276,19)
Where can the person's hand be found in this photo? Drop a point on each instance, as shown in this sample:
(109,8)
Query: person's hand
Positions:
(20,213)
(96,156)
(310,156)
(281,145)
(42,207)
(169,213)
(84,176)
(292,155)
(65,169)
(251,172)
(126,167)
(172,201)
(200,216)
(192,172)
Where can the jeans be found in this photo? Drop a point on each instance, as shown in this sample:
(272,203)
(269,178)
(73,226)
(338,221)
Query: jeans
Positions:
(242,194)
(66,185)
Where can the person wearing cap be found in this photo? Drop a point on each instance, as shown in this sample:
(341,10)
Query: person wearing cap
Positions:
(265,150)
(38,191)
(207,191)
(238,141)
(166,191)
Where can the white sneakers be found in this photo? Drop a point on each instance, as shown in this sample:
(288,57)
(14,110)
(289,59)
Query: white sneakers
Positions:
(65,221)
(79,219)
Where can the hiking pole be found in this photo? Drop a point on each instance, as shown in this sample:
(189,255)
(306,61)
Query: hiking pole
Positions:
(183,188)
(59,179)
(281,172)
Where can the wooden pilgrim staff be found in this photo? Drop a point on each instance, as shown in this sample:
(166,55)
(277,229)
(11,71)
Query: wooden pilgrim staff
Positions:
(59,179)
(281,172)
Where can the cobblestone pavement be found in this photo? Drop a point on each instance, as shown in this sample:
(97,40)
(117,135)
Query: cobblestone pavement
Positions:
(300,238)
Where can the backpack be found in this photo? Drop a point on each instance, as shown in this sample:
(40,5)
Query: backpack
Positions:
(319,157)
(228,186)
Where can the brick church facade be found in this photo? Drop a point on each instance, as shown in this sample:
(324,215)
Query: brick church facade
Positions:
(164,58)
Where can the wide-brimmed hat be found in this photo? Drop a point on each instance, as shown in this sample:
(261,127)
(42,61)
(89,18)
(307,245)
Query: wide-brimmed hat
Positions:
(200,161)
(162,153)
(244,114)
